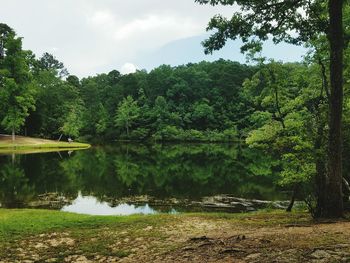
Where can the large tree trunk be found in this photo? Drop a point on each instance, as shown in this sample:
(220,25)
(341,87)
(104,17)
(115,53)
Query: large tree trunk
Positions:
(320,160)
(334,198)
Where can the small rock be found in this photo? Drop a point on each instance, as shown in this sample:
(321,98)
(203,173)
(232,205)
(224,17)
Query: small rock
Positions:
(40,246)
(50,260)
(77,259)
(253,256)
(149,228)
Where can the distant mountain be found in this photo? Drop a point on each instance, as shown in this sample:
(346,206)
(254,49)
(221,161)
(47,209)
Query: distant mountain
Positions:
(190,50)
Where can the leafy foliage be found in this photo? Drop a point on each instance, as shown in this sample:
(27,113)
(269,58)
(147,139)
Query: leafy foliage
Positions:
(16,89)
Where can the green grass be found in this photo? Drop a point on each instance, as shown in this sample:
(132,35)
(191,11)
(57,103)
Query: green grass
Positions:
(17,223)
(264,217)
(22,222)
(24,232)
(119,236)
(26,225)
(32,145)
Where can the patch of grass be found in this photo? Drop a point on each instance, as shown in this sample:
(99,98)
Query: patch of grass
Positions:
(262,218)
(17,223)
(89,248)
(92,234)
(21,222)
(30,145)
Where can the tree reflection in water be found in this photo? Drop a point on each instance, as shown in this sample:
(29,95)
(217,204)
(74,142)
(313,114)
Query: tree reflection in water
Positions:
(159,170)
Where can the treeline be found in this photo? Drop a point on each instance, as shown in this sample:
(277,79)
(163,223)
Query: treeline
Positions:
(194,102)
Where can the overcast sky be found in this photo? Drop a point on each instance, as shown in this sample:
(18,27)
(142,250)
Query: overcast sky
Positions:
(95,36)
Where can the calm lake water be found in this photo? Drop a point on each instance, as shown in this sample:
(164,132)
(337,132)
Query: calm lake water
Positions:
(125,179)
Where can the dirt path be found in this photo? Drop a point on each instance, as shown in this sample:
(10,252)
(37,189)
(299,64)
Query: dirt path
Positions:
(192,239)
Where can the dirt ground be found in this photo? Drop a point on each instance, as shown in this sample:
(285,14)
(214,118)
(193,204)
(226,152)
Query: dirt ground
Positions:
(22,139)
(193,239)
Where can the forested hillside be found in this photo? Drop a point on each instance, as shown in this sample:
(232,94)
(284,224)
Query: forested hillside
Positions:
(196,102)
(218,101)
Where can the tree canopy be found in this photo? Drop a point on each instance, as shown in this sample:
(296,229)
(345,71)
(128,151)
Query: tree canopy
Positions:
(297,22)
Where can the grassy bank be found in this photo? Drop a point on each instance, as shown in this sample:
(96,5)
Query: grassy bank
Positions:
(52,236)
(28,144)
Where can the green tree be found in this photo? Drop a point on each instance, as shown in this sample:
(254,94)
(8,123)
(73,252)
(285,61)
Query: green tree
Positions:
(127,114)
(72,123)
(203,114)
(50,63)
(16,87)
(297,22)
(102,122)
(294,128)
(161,112)
(73,80)
(55,100)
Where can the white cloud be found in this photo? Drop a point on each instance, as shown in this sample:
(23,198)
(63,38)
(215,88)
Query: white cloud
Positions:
(128,68)
(158,24)
(102,18)
(92,36)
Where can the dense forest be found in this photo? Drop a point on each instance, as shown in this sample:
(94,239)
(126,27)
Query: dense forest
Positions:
(281,108)
(196,102)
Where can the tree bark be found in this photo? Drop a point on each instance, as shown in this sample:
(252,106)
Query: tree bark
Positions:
(277,103)
(320,160)
(334,200)
(292,200)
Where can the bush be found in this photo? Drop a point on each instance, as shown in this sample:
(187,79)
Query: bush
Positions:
(168,133)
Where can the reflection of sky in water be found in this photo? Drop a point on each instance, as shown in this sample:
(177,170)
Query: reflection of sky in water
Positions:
(91,206)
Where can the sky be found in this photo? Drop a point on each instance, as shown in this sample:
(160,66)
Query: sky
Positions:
(96,36)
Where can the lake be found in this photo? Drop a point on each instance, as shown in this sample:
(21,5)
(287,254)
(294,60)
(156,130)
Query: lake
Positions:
(123,179)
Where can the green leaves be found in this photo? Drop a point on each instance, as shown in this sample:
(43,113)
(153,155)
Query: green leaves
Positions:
(265,135)
(127,113)
(293,21)
(203,114)
(16,87)
(289,116)
(72,123)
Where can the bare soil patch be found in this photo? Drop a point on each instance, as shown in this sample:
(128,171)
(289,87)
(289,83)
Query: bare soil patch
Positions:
(192,239)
